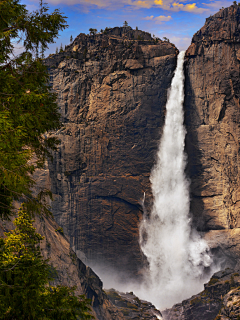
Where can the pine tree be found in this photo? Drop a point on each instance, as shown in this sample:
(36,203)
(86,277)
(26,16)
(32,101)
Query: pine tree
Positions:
(28,108)
(71,39)
(28,114)
(92,31)
(25,292)
(125,24)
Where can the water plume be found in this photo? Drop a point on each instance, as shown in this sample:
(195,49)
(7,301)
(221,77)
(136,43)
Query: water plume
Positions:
(176,254)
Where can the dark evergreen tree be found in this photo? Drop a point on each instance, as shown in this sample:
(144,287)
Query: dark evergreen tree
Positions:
(28,108)
(92,31)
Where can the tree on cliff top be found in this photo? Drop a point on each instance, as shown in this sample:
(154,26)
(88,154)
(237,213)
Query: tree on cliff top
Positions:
(28,108)
(25,292)
(92,31)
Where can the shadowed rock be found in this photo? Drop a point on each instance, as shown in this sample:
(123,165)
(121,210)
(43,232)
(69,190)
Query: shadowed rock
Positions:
(212,91)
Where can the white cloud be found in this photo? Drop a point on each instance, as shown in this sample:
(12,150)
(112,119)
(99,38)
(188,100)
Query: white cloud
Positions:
(148,18)
(159,19)
(216,5)
(180,43)
(142,4)
(190,7)
(113,4)
(32,7)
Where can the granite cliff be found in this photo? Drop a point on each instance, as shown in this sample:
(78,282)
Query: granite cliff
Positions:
(220,300)
(212,92)
(112,91)
(212,115)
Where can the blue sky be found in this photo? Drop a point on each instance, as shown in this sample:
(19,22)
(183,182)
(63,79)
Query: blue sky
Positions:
(176,20)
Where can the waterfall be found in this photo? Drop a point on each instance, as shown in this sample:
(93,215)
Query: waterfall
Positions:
(176,254)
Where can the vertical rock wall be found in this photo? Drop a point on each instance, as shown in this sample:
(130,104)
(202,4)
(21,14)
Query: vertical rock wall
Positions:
(212,118)
(112,91)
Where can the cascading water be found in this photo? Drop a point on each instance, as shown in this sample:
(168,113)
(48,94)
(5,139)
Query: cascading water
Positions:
(176,254)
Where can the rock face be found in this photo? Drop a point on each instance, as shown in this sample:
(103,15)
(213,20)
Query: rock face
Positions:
(212,92)
(220,300)
(112,91)
(132,307)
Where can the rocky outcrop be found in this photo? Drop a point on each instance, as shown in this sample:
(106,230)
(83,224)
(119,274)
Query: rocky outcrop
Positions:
(71,271)
(112,91)
(132,307)
(220,300)
(212,92)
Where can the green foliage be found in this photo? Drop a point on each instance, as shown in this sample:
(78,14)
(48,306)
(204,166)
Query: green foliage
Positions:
(166,39)
(28,114)
(60,230)
(213,281)
(92,31)
(28,108)
(56,50)
(106,30)
(232,281)
(71,39)
(25,292)
(125,24)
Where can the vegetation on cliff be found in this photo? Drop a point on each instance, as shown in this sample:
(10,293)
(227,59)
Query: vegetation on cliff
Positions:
(25,292)
(28,110)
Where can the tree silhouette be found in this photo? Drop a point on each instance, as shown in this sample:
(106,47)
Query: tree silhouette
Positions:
(92,31)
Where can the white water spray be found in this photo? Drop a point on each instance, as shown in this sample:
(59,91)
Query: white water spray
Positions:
(177,256)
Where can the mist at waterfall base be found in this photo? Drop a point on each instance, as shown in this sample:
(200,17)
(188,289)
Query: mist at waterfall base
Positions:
(177,255)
